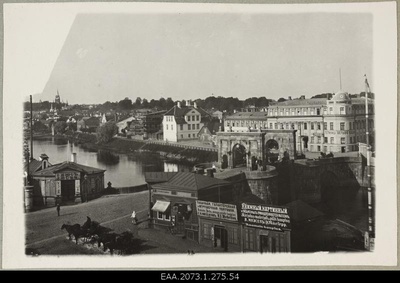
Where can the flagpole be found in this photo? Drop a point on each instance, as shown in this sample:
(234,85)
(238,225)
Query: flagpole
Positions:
(371,224)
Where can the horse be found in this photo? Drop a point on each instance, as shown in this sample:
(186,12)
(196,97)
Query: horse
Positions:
(73,230)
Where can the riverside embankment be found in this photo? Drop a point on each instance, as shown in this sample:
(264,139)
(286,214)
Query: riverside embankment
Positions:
(173,152)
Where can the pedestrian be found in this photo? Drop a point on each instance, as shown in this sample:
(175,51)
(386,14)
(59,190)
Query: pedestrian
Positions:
(133,216)
(58,209)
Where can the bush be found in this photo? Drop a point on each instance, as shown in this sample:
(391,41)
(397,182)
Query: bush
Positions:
(106,132)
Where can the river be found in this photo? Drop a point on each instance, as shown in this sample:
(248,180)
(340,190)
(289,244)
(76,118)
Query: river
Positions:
(128,170)
(121,170)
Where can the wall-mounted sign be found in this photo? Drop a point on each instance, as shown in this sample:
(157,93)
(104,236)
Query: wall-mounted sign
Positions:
(265,217)
(216,210)
(68,176)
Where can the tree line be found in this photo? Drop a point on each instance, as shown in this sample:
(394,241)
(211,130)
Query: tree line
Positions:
(212,102)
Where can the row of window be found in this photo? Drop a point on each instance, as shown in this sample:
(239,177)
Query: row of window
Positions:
(342,139)
(193,118)
(190,136)
(317,111)
(190,127)
(313,125)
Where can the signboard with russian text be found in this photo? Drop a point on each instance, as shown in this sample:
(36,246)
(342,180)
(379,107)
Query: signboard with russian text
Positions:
(68,176)
(216,210)
(266,217)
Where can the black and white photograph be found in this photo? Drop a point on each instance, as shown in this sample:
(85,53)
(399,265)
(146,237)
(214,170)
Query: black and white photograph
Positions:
(163,135)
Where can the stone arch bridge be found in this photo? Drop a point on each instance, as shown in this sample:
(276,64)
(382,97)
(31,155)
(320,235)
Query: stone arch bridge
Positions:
(249,149)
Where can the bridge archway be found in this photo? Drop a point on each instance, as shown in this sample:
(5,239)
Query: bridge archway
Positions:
(239,156)
(272,150)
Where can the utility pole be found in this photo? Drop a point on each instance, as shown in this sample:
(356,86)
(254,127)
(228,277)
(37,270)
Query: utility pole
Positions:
(31,124)
(371,224)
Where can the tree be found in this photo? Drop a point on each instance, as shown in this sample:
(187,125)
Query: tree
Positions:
(60,127)
(281,99)
(125,104)
(39,127)
(138,102)
(106,132)
(145,103)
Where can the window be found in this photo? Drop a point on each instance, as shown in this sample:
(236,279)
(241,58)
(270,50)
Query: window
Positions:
(312,126)
(350,126)
(332,140)
(305,126)
(325,139)
(188,118)
(233,235)
(342,126)
(342,140)
(331,126)
(319,139)
(318,111)
(159,215)
(249,239)
(318,126)
(188,135)
(167,126)
(325,125)
(292,126)
(189,127)
(330,110)
(312,139)
(276,126)
(270,125)
(341,110)
(198,126)
(182,126)
(181,136)
(206,231)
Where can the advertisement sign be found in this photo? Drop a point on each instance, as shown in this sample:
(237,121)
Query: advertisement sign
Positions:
(265,217)
(222,211)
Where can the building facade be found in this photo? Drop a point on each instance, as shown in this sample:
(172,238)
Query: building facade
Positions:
(322,125)
(184,122)
(153,123)
(66,182)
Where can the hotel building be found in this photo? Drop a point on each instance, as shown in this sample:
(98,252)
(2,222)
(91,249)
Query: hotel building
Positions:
(335,124)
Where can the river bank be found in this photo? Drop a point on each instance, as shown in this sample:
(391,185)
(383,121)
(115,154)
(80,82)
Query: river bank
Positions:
(170,153)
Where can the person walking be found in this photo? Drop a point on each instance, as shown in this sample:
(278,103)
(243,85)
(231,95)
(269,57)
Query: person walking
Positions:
(133,216)
(58,209)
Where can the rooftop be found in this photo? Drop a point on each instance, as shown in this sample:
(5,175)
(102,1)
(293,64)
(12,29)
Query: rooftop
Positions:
(52,170)
(191,181)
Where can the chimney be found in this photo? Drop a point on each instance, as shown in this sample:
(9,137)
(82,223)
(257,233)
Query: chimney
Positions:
(178,104)
(195,104)
(210,172)
(188,102)
(303,97)
(73,157)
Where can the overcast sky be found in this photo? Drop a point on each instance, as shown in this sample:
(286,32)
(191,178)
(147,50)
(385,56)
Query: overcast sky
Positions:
(95,57)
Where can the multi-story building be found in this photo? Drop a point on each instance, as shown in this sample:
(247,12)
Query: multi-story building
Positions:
(328,125)
(184,122)
(153,123)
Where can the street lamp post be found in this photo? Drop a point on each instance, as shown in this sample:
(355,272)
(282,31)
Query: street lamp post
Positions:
(86,187)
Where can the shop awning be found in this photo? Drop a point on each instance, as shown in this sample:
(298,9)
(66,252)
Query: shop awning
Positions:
(161,206)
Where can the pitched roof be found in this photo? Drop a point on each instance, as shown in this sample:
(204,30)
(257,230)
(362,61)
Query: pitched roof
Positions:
(52,170)
(248,115)
(158,177)
(295,102)
(182,111)
(300,211)
(34,165)
(191,181)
